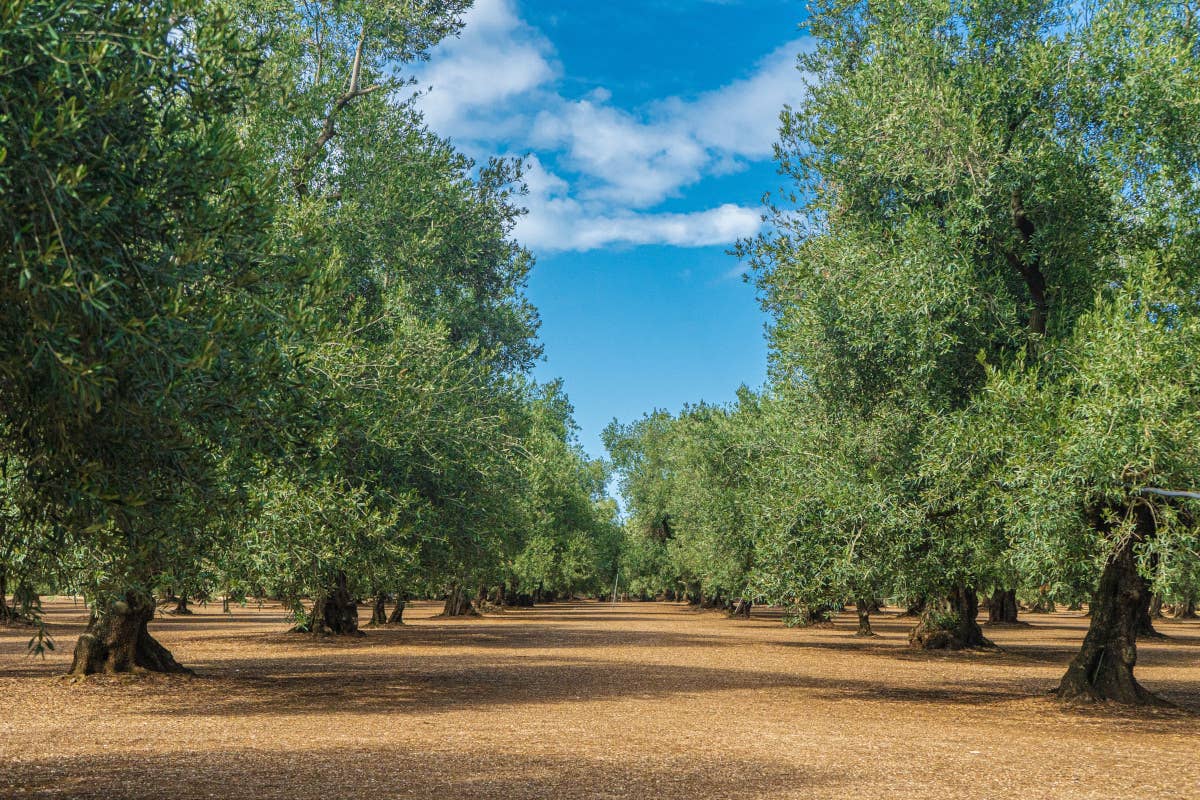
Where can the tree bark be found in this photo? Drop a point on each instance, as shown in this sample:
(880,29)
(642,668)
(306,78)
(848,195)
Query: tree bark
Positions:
(741,608)
(397,617)
(1029,267)
(335,612)
(951,624)
(1103,668)
(181,604)
(379,610)
(1145,617)
(458,604)
(116,640)
(1003,608)
(6,613)
(863,606)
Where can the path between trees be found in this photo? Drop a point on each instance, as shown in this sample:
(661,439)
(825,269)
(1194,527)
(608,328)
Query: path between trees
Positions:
(589,700)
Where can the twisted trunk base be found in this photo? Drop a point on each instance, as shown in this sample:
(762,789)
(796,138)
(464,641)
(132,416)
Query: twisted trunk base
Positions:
(116,640)
(1003,608)
(397,617)
(864,607)
(334,613)
(379,610)
(741,608)
(1146,616)
(951,623)
(458,604)
(1103,668)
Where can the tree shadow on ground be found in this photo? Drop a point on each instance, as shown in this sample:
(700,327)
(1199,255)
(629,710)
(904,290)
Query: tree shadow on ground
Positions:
(290,686)
(487,662)
(439,684)
(402,773)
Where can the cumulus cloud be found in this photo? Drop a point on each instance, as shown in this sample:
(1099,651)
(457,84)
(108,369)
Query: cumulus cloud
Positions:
(558,221)
(495,89)
(472,80)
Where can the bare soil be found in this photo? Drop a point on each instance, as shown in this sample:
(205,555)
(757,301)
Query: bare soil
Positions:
(590,700)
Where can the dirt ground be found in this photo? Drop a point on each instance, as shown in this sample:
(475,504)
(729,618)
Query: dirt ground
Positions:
(589,700)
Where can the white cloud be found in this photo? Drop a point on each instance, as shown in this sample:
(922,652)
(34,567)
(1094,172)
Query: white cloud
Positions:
(622,159)
(560,226)
(558,221)
(495,90)
(496,60)
(741,118)
(642,159)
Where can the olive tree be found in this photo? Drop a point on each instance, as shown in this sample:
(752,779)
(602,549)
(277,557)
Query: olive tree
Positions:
(133,228)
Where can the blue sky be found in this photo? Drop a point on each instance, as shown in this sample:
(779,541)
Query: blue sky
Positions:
(648,128)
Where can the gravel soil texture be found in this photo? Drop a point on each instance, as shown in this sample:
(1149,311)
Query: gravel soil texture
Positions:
(590,700)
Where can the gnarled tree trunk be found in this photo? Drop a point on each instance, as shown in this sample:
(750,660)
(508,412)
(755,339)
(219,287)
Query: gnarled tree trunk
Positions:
(379,610)
(116,640)
(397,617)
(334,612)
(458,604)
(1150,608)
(1146,616)
(950,624)
(1103,668)
(863,606)
(1002,610)
(741,608)
(6,613)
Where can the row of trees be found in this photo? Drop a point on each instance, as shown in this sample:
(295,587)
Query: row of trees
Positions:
(983,284)
(262,330)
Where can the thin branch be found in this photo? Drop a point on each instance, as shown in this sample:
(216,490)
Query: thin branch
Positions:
(353,91)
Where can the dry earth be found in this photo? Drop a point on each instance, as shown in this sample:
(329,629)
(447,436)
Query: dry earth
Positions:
(589,700)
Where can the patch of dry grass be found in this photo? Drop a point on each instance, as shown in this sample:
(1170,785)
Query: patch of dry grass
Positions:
(589,700)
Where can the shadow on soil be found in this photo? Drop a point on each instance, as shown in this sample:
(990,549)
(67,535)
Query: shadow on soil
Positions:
(384,773)
(450,684)
(489,661)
